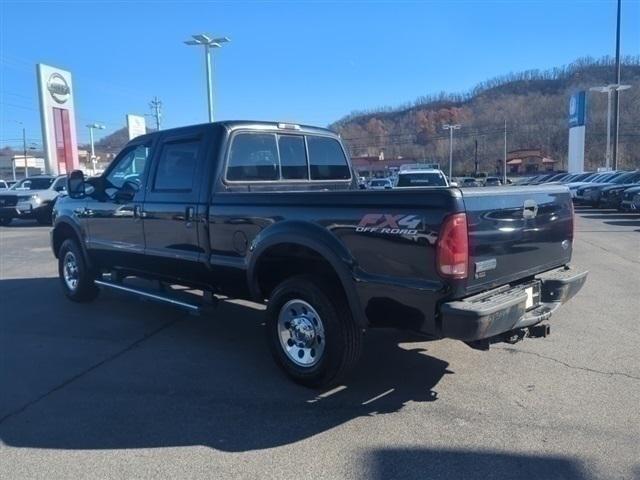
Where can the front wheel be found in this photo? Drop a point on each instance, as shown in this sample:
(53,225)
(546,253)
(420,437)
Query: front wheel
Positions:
(75,276)
(311,332)
(5,221)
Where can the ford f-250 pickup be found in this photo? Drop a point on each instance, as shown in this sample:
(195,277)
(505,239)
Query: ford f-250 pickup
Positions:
(273,213)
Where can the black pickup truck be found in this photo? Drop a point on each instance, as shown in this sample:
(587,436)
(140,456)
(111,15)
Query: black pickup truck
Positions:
(273,213)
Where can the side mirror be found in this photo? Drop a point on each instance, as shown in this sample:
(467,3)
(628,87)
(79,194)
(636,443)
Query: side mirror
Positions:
(453,184)
(75,184)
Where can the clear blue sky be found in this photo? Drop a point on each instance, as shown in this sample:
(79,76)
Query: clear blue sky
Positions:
(308,62)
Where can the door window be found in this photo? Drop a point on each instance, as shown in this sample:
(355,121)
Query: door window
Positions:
(177,166)
(129,167)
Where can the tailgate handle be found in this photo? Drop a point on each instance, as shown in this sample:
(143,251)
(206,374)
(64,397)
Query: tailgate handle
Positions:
(530,209)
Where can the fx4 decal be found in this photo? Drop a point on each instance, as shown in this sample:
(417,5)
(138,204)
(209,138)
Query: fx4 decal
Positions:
(389,223)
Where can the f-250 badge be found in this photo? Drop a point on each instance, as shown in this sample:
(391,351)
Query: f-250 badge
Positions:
(389,223)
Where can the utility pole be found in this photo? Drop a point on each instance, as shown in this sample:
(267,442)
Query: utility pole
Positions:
(24,152)
(209,44)
(616,98)
(504,162)
(156,108)
(451,128)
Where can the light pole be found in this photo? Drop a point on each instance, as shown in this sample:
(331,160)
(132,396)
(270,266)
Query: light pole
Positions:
(208,43)
(609,89)
(91,127)
(451,128)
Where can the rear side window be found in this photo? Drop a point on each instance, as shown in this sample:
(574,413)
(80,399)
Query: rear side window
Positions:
(253,157)
(293,157)
(177,166)
(326,159)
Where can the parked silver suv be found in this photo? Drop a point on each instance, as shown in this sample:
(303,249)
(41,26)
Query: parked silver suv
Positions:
(31,197)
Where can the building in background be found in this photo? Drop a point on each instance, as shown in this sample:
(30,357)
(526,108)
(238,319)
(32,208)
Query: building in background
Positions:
(528,161)
(8,162)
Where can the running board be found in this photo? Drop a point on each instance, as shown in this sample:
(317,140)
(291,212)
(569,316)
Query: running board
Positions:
(151,296)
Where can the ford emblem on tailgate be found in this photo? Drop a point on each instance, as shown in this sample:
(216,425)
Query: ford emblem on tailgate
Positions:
(530,209)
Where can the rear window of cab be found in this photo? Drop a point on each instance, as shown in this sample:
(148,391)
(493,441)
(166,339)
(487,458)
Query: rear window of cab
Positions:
(270,157)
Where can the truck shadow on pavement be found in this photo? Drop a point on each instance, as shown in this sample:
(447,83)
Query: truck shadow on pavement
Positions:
(423,463)
(120,373)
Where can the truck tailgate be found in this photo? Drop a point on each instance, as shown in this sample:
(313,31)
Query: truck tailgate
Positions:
(516,232)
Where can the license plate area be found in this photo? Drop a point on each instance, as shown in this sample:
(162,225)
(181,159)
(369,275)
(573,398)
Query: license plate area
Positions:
(532,289)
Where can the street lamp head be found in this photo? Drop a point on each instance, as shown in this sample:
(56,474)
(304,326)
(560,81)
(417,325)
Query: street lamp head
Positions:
(96,126)
(202,38)
(206,40)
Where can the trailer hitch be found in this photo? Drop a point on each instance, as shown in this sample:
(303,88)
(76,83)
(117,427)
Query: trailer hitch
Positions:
(512,336)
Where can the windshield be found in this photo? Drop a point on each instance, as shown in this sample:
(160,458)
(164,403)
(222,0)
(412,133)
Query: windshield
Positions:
(435,179)
(582,177)
(626,178)
(33,184)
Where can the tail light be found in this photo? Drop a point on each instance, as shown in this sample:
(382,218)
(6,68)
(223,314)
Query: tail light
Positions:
(452,255)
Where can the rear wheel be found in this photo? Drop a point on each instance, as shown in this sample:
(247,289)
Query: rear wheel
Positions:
(75,276)
(311,332)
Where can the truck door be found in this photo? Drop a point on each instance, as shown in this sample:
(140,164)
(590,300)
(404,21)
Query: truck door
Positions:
(112,213)
(171,209)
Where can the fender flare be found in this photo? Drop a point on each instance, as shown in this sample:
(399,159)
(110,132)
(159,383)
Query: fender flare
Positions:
(68,222)
(315,238)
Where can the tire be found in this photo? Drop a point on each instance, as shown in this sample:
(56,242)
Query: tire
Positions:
(308,309)
(5,221)
(75,276)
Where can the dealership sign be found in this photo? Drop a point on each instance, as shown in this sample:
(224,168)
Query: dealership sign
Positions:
(577,104)
(57,115)
(136,126)
(577,117)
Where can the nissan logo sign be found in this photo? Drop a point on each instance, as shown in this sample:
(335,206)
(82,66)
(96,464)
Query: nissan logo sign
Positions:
(58,88)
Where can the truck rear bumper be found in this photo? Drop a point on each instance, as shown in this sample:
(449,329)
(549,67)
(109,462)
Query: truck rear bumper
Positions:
(510,307)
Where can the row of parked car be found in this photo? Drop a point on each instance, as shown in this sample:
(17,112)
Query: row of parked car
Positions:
(611,189)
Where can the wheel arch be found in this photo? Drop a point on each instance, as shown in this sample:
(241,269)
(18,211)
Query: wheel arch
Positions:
(66,229)
(304,242)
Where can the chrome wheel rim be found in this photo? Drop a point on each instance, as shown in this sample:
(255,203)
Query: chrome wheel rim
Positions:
(70,271)
(301,333)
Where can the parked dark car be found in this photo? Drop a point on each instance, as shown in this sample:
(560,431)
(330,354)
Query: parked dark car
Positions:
(628,195)
(273,213)
(591,194)
(611,196)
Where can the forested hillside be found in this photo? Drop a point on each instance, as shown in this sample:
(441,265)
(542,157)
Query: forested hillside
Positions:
(534,104)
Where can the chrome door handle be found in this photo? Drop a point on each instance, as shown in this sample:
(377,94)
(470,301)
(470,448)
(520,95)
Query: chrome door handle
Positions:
(189,214)
(138,212)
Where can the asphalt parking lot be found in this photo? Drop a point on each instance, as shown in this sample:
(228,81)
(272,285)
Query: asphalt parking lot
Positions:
(122,388)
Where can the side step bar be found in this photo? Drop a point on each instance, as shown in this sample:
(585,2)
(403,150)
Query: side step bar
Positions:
(193,308)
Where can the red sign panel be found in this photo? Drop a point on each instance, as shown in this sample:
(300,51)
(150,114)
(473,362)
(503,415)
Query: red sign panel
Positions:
(62,133)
